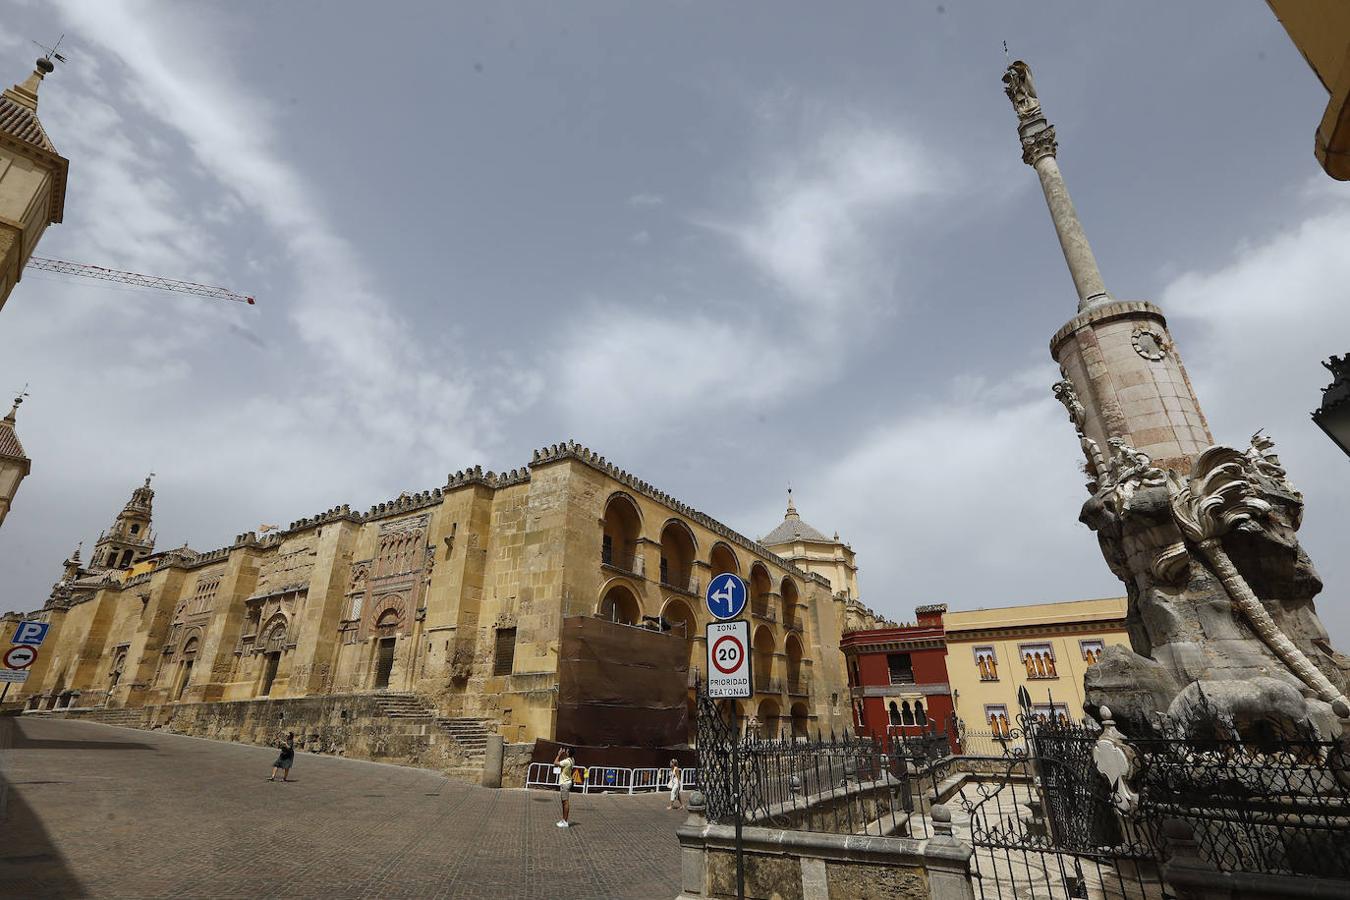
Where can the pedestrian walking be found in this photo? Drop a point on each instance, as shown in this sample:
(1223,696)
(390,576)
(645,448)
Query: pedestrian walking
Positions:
(676,782)
(564,762)
(286,757)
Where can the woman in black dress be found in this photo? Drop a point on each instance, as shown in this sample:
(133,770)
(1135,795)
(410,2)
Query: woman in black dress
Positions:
(285,759)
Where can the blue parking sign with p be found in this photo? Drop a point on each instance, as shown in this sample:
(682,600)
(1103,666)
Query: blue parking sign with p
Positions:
(726,596)
(30,633)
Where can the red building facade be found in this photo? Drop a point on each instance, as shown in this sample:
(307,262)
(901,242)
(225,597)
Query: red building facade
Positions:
(898,676)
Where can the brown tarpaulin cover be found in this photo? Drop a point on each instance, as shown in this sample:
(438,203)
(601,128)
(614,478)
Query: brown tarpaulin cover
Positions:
(620,686)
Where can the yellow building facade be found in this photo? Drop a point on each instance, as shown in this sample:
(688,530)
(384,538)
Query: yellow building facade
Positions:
(1044,647)
(456,596)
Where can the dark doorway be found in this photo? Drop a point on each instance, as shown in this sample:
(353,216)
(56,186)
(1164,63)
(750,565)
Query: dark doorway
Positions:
(385,664)
(269,673)
(187,676)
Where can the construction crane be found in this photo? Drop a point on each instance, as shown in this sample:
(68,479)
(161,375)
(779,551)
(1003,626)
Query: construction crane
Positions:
(63,267)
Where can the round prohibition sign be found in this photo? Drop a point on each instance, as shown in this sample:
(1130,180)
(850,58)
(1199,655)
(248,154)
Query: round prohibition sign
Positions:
(19,657)
(728,647)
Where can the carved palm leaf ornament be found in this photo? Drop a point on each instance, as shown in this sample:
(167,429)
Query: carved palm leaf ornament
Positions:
(1219,497)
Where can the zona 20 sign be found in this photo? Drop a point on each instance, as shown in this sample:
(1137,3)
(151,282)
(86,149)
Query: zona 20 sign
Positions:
(729,659)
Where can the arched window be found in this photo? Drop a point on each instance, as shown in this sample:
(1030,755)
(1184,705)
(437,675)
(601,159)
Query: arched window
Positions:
(906,714)
(275,640)
(763,649)
(894,714)
(919,717)
(619,536)
(723,559)
(788,590)
(677,556)
(760,588)
(619,605)
(796,683)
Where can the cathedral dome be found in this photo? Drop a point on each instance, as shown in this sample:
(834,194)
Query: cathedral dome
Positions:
(793,529)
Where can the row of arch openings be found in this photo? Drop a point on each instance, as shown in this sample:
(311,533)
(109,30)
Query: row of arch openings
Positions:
(620,604)
(621,533)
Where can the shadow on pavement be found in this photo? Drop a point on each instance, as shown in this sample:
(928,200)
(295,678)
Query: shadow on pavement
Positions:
(22,741)
(30,865)
(25,743)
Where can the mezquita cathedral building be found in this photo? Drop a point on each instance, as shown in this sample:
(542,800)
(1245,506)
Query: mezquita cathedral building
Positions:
(538,603)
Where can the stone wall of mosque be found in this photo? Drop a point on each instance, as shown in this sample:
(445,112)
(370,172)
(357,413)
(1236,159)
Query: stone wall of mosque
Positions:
(455,596)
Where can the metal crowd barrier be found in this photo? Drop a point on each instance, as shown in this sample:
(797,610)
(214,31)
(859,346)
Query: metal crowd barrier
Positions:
(617,779)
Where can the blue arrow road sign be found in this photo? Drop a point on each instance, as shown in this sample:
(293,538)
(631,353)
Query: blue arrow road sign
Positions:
(726,596)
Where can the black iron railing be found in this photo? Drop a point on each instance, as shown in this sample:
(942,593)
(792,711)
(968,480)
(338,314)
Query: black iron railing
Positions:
(1275,800)
(836,783)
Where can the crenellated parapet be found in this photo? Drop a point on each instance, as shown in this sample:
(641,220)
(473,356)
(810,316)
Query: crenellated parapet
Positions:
(336,514)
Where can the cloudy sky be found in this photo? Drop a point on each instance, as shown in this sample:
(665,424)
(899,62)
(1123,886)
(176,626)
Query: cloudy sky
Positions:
(727,245)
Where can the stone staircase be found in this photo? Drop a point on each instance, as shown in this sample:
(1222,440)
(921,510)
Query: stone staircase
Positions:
(127,718)
(469,736)
(404,706)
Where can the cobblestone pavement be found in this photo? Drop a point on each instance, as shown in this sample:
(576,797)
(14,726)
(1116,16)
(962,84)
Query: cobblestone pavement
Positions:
(101,811)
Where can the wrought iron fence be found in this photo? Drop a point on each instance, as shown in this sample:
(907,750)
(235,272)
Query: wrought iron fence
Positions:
(1263,797)
(1275,801)
(1042,822)
(1043,819)
(1009,742)
(837,783)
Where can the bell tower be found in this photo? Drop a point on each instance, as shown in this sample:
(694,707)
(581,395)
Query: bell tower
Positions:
(1123,375)
(130,539)
(32,178)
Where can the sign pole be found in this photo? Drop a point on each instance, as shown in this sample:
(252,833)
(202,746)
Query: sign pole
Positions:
(736,790)
(730,677)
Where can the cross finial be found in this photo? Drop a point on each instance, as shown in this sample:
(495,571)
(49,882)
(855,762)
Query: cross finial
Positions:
(18,398)
(51,53)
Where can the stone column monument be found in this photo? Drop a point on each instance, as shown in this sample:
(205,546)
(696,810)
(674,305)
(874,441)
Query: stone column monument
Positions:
(1222,625)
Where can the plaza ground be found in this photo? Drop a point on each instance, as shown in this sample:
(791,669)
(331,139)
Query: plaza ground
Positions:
(102,811)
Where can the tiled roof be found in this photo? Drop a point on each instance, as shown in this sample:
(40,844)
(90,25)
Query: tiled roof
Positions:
(793,529)
(22,123)
(9,442)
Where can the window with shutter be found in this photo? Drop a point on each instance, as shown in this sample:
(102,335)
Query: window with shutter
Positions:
(505,657)
(901,669)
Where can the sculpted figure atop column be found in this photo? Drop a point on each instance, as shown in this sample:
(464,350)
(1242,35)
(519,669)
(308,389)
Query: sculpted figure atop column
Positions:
(1021,90)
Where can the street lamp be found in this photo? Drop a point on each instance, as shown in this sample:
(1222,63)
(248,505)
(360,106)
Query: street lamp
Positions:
(1334,415)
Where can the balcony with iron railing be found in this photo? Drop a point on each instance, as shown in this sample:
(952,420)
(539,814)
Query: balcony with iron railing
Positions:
(768,686)
(668,582)
(628,564)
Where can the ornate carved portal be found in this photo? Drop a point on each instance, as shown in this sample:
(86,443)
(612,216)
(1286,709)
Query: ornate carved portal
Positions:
(385,592)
